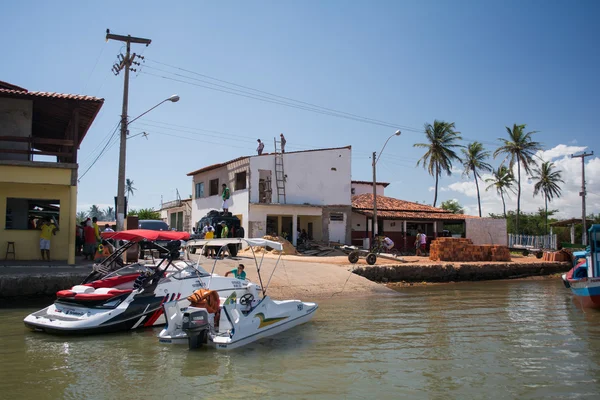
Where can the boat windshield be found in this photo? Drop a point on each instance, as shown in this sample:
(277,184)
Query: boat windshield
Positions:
(133,269)
(187,269)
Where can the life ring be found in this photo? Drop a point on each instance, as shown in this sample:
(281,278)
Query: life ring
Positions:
(203,298)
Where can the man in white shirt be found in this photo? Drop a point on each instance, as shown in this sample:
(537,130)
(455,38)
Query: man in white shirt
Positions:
(387,243)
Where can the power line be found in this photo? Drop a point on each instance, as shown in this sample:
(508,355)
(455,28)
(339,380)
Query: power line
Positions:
(94,68)
(104,149)
(93,152)
(274,95)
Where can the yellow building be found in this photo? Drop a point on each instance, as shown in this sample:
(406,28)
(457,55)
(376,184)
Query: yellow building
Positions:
(40,134)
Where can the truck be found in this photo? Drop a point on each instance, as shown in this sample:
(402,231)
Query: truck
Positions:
(214,219)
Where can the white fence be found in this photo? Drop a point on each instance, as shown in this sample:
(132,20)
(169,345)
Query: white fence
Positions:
(533,242)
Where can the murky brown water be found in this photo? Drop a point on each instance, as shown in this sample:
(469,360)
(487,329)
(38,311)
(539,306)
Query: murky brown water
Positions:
(516,339)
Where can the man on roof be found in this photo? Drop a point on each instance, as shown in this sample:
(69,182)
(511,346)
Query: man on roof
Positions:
(225,195)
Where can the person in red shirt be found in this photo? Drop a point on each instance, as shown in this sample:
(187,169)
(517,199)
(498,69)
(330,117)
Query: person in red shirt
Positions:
(89,245)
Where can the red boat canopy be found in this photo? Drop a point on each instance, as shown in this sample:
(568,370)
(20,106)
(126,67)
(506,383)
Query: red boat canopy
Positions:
(137,235)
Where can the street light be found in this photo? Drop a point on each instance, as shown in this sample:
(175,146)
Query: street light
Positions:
(375,160)
(120,212)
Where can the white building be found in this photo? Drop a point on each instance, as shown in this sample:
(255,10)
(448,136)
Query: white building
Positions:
(317,186)
(361,187)
(177,214)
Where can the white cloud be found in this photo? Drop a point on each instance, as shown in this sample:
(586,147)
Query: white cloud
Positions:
(568,205)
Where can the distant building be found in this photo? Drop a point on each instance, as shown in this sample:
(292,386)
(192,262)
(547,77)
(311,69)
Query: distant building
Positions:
(177,214)
(282,193)
(35,124)
(361,187)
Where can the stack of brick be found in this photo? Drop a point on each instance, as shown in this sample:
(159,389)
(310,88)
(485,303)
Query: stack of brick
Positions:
(452,249)
(556,256)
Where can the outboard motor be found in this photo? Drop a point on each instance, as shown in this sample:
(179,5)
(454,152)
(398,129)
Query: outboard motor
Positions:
(196,326)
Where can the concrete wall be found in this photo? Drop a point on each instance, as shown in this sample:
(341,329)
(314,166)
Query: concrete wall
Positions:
(329,227)
(486,231)
(362,188)
(257,219)
(313,177)
(15,120)
(238,202)
(27,242)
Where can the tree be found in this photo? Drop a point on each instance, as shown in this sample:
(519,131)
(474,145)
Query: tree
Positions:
(548,180)
(474,162)
(145,213)
(81,216)
(519,148)
(129,188)
(442,139)
(503,180)
(109,213)
(453,206)
(95,211)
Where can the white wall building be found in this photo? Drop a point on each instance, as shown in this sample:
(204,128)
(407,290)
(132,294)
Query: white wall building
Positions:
(317,193)
(361,187)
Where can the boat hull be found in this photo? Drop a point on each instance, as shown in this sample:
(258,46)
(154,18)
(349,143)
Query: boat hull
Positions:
(586,291)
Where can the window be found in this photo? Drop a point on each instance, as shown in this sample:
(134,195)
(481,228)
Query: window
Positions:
(353,190)
(213,187)
(199,190)
(240,180)
(29,213)
(336,217)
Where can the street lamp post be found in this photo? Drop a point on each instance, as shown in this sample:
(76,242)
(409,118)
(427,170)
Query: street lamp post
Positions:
(375,160)
(122,155)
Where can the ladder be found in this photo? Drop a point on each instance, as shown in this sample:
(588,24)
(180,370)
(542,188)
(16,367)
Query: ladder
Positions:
(279,174)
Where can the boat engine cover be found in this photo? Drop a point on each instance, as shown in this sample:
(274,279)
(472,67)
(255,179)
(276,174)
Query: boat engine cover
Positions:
(195,320)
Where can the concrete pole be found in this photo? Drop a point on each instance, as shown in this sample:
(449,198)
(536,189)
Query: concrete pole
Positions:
(123,148)
(374,232)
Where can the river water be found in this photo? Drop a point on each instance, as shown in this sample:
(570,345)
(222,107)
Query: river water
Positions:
(506,339)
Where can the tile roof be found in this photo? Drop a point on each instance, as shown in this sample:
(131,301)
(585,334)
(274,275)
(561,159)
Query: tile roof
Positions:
(219,165)
(6,85)
(49,95)
(384,184)
(390,208)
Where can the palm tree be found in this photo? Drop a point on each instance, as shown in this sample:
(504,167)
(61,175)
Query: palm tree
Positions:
(95,211)
(109,213)
(474,162)
(503,180)
(129,187)
(548,180)
(442,140)
(520,148)
(81,216)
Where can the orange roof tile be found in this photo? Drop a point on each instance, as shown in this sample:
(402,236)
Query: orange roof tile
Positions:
(52,95)
(390,208)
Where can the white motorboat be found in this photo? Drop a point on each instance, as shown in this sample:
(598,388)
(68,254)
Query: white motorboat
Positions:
(118,297)
(228,321)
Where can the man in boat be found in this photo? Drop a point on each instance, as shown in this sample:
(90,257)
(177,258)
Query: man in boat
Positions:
(225,195)
(238,273)
(48,229)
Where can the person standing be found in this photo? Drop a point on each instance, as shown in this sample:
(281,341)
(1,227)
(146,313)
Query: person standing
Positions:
(225,195)
(89,245)
(48,229)
(283,142)
(260,147)
(96,229)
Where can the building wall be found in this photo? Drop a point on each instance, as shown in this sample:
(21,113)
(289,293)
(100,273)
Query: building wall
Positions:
(238,202)
(332,230)
(27,242)
(257,218)
(362,188)
(315,178)
(15,120)
(486,231)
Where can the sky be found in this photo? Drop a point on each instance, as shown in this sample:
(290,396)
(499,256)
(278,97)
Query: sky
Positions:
(400,64)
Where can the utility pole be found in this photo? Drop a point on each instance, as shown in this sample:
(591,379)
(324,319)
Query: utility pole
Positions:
(583,194)
(125,64)
(374,200)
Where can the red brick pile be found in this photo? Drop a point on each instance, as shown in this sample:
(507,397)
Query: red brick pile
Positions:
(452,249)
(556,256)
